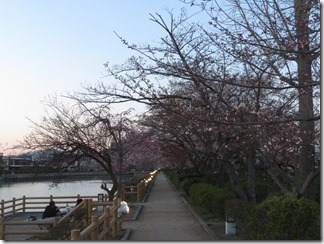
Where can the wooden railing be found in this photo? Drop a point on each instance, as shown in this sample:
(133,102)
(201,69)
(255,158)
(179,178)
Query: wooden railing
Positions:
(100,226)
(108,222)
(139,189)
(36,204)
(4,231)
(97,227)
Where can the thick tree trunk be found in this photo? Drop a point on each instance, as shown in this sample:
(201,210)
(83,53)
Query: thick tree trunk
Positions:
(235,181)
(251,175)
(307,152)
(304,63)
(115,186)
(112,192)
(105,162)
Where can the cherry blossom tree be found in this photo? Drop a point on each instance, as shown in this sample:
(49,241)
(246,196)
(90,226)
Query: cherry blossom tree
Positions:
(281,39)
(145,153)
(193,135)
(253,71)
(73,132)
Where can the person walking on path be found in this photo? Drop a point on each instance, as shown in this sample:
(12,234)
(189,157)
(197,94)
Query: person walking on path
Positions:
(165,217)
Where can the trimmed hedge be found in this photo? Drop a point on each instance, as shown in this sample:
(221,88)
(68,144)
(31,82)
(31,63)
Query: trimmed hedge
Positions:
(287,218)
(211,198)
(243,213)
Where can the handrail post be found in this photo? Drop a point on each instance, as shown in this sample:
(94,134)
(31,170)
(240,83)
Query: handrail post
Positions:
(95,232)
(115,217)
(139,189)
(24,203)
(120,224)
(89,210)
(13,206)
(2,228)
(107,223)
(118,217)
(56,220)
(2,208)
(75,235)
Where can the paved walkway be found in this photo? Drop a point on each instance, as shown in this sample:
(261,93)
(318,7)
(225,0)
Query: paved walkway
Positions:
(165,217)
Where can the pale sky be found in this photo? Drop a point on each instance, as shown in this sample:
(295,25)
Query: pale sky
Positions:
(49,47)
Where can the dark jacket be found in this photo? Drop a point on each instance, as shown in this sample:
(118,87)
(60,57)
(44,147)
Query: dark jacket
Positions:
(50,211)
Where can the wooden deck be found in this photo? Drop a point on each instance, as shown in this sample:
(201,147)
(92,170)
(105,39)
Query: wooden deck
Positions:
(22,217)
(84,221)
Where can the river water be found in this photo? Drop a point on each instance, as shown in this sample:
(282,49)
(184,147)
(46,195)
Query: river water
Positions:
(8,190)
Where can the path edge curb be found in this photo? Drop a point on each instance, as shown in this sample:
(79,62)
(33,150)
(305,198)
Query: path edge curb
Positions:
(194,213)
(200,220)
(126,235)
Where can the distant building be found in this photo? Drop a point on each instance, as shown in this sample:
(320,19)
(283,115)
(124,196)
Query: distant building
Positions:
(15,163)
(20,162)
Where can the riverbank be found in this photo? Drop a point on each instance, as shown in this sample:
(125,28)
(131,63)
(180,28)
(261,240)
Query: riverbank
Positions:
(28,177)
(129,177)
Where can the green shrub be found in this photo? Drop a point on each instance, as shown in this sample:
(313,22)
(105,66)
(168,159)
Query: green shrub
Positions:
(187,182)
(173,177)
(198,192)
(218,201)
(287,218)
(264,190)
(211,198)
(243,214)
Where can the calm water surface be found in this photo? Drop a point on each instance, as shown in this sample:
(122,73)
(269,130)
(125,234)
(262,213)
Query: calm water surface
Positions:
(29,189)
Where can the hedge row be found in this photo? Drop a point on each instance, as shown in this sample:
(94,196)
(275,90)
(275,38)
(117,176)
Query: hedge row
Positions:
(211,198)
(272,217)
(277,218)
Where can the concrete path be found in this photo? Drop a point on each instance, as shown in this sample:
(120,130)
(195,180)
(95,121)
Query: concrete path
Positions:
(165,217)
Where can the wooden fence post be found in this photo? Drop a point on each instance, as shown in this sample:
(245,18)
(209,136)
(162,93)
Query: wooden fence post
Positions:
(75,235)
(13,206)
(2,228)
(120,224)
(95,232)
(89,211)
(2,208)
(24,203)
(140,186)
(107,224)
(115,217)
(138,191)
(56,220)
(119,219)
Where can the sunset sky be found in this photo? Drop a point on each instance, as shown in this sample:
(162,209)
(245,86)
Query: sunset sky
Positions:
(49,47)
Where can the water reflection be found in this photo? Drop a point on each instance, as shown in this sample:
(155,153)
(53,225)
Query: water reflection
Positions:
(46,188)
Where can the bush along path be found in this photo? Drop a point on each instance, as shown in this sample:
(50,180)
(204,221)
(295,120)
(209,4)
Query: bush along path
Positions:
(273,217)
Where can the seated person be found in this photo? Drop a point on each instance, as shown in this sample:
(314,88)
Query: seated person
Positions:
(51,210)
(78,201)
